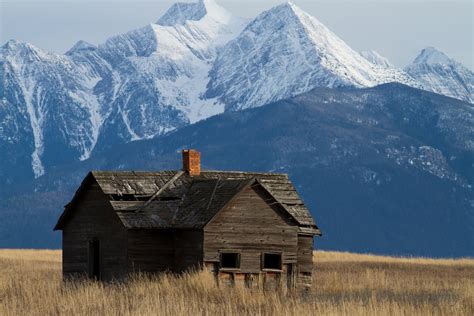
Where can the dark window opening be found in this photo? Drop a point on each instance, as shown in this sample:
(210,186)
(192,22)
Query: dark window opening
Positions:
(142,197)
(94,259)
(124,197)
(134,197)
(230,260)
(272,261)
(169,198)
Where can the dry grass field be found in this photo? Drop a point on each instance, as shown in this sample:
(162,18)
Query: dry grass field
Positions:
(344,284)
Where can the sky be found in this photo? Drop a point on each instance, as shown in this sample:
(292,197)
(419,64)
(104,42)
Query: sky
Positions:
(397,30)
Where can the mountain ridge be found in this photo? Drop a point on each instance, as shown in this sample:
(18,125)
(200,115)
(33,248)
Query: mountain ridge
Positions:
(192,64)
(250,68)
(384,169)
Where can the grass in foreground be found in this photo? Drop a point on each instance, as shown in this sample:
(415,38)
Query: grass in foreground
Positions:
(344,283)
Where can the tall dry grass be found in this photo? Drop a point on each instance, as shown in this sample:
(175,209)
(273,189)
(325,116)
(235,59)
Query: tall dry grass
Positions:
(344,284)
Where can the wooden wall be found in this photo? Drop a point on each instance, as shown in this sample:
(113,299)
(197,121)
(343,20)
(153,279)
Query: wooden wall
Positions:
(305,253)
(150,250)
(164,250)
(188,250)
(305,261)
(94,218)
(249,225)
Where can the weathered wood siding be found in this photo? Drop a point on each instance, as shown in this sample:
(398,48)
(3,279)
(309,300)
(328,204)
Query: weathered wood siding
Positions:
(164,250)
(150,250)
(188,250)
(305,261)
(94,218)
(251,226)
(305,253)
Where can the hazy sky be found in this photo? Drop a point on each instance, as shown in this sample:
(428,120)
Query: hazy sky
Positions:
(396,29)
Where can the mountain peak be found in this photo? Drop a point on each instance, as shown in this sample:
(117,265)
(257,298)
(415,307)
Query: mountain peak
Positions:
(79,46)
(18,50)
(441,74)
(285,51)
(15,45)
(289,7)
(376,59)
(431,55)
(182,12)
(288,16)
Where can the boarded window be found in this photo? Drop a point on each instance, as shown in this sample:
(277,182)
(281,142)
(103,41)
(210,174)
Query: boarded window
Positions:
(271,261)
(230,260)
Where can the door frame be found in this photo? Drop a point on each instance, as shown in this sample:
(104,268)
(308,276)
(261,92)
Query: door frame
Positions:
(94,259)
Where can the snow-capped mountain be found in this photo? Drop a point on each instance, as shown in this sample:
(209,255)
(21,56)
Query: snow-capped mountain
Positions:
(134,86)
(377,59)
(285,52)
(392,158)
(196,61)
(439,73)
(48,102)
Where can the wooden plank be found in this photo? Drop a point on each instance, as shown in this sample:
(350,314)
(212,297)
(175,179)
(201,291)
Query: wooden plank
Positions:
(305,254)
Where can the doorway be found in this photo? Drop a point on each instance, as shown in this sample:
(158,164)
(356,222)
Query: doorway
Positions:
(94,259)
(291,276)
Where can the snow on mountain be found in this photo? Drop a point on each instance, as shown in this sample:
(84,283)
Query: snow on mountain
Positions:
(432,56)
(134,86)
(377,59)
(52,94)
(197,61)
(174,60)
(183,12)
(285,52)
(439,73)
(180,13)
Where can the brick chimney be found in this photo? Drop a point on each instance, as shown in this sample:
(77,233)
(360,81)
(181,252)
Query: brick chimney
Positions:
(192,162)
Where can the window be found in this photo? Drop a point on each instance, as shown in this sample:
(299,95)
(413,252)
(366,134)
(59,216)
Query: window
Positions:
(230,260)
(271,261)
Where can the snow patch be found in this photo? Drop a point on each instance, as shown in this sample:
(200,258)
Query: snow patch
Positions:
(126,121)
(36,120)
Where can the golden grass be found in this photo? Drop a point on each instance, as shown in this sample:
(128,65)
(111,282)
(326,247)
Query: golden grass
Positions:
(344,284)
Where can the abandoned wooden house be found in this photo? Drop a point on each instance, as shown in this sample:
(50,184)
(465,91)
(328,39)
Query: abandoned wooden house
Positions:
(242,226)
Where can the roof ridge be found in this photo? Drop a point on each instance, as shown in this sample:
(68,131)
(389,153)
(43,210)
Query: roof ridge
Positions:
(246,172)
(95,172)
(138,172)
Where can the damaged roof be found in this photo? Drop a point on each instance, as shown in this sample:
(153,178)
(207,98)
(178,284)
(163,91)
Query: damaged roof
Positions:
(173,199)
